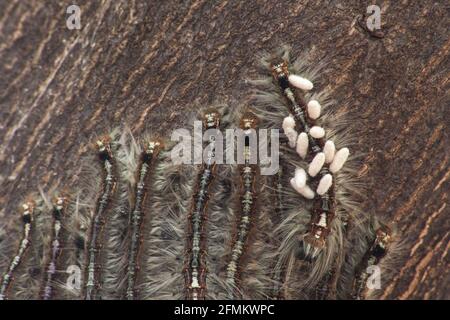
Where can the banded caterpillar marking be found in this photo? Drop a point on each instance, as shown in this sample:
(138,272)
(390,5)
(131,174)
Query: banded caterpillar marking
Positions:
(248,176)
(279,210)
(94,244)
(59,207)
(372,258)
(25,242)
(195,270)
(148,158)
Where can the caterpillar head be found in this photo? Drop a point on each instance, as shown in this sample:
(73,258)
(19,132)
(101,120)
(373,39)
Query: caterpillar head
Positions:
(59,202)
(211,119)
(382,240)
(104,148)
(249,121)
(279,69)
(27,211)
(152,149)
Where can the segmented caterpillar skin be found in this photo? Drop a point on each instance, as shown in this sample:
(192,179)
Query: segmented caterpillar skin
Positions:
(25,242)
(195,273)
(248,173)
(94,247)
(148,157)
(279,210)
(374,255)
(55,250)
(324,206)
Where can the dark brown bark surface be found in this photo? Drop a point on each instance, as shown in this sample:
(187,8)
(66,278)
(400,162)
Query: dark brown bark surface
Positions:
(150,63)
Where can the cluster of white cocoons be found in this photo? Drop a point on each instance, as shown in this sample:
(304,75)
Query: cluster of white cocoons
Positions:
(329,155)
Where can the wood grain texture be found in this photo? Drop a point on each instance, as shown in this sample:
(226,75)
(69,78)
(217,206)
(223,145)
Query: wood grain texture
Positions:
(150,63)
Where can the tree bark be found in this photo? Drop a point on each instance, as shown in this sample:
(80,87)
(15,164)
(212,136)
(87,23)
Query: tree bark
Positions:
(151,63)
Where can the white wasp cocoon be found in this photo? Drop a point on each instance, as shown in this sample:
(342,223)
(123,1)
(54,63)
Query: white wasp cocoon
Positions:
(300,177)
(291,134)
(304,191)
(339,160)
(288,122)
(329,149)
(324,184)
(314,109)
(323,220)
(317,132)
(300,82)
(302,144)
(316,164)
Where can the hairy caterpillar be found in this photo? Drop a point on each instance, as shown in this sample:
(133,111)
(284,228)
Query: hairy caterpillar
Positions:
(247,200)
(195,270)
(25,242)
(162,248)
(317,199)
(98,219)
(371,262)
(121,150)
(92,210)
(372,258)
(116,231)
(249,261)
(167,239)
(116,153)
(117,235)
(310,140)
(148,157)
(30,267)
